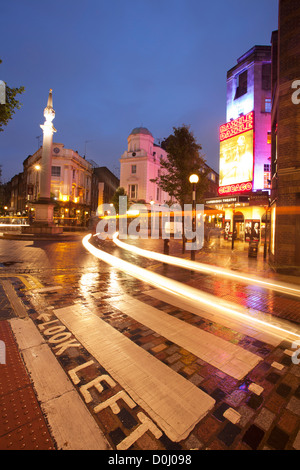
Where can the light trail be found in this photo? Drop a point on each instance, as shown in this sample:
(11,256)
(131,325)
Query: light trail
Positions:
(201,267)
(188,292)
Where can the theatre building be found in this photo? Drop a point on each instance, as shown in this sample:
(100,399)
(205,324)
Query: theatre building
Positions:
(245,148)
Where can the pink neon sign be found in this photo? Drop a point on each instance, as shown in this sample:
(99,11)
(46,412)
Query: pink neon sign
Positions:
(235,188)
(238,126)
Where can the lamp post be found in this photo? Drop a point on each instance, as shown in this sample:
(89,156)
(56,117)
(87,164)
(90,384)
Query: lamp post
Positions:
(193,180)
(37,169)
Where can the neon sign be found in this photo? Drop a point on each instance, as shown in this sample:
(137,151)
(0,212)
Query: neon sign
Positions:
(238,126)
(235,188)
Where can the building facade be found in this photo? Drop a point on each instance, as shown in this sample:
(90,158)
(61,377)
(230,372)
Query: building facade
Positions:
(245,146)
(71,180)
(285,194)
(104,186)
(139,164)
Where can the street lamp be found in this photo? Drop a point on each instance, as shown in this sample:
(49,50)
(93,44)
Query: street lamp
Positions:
(193,180)
(37,169)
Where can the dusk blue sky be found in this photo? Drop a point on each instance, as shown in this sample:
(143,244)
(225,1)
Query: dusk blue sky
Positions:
(119,64)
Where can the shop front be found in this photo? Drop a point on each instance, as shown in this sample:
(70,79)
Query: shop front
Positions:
(245,218)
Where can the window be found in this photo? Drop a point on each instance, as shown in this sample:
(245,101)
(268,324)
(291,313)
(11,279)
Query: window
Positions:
(132,191)
(268,105)
(266,77)
(242,84)
(55,171)
(133,169)
(267,176)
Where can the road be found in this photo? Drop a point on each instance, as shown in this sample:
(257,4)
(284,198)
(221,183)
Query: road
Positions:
(157,370)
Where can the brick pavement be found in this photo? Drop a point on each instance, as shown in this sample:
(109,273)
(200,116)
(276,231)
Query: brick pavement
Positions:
(260,412)
(22,424)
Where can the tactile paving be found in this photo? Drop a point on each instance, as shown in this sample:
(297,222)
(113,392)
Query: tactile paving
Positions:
(13,375)
(31,436)
(22,424)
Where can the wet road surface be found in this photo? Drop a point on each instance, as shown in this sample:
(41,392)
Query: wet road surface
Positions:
(143,356)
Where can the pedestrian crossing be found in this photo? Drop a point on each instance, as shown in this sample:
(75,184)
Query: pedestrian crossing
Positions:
(174,404)
(227,357)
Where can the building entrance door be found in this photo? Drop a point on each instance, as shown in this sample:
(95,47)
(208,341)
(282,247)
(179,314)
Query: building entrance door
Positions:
(239,223)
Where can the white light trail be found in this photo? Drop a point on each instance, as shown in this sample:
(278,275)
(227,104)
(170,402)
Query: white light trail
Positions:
(182,290)
(201,267)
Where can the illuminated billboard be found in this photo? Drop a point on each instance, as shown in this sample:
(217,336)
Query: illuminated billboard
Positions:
(236,155)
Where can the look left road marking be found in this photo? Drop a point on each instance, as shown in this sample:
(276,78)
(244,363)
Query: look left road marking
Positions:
(174,403)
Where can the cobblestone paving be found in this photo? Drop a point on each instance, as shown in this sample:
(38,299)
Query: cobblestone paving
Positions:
(261,411)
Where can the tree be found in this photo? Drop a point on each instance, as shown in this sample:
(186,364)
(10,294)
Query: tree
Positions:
(183,159)
(115,199)
(9,108)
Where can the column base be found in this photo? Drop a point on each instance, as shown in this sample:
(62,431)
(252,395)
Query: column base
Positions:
(43,222)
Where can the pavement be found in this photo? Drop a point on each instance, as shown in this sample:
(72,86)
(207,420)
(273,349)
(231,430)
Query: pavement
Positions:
(60,390)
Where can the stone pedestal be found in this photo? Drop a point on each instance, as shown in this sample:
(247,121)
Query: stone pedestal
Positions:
(43,222)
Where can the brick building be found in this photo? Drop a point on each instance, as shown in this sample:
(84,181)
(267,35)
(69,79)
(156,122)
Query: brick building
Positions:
(285,154)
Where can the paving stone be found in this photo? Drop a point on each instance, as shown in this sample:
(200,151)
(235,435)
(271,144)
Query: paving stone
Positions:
(278,439)
(229,433)
(218,394)
(288,421)
(265,419)
(283,390)
(253,436)
(246,415)
(219,412)
(236,397)
(296,443)
(294,405)
(255,401)
(273,377)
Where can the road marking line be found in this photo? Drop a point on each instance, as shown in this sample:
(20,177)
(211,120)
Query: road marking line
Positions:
(24,278)
(227,357)
(14,300)
(174,403)
(250,328)
(46,289)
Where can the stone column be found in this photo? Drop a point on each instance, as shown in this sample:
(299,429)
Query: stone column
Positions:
(43,222)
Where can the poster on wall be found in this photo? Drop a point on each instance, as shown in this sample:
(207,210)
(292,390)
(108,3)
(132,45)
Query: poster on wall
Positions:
(255,232)
(237,155)
(236,159)
(248,230)
(227,229)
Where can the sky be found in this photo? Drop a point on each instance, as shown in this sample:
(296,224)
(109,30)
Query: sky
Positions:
(115,65)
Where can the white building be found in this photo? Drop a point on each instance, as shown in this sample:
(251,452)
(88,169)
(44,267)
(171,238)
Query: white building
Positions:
(71,180)
(139,164)
(71,175)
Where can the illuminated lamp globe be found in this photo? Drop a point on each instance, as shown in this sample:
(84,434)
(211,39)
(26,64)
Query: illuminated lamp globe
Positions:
(194,179)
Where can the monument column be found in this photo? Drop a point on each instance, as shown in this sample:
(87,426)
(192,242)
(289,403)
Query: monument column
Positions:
(43,222)
(46,163)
